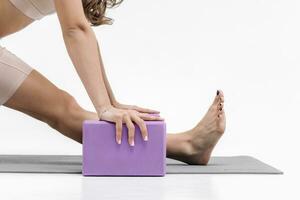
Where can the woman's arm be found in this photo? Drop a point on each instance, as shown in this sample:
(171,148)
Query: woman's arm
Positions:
(111,95)
(81,44)
(82,48)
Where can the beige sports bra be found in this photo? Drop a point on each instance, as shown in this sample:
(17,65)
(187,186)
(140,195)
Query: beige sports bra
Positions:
(35,9)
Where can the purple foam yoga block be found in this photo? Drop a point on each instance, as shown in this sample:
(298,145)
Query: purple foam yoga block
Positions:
(102,156)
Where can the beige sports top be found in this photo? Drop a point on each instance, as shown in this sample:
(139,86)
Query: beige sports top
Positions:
(35,9)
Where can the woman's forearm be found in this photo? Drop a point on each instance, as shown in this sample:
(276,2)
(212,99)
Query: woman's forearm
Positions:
(108,87)
(83,51)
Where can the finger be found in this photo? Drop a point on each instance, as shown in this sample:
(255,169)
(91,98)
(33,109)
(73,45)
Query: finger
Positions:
(146,116)
(141,125)
(144,110)
(119,126)
(131,129)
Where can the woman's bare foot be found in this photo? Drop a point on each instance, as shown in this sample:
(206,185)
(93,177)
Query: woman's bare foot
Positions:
(201,140)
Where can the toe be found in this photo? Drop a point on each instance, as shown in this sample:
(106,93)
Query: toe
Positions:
(221,96)
(221,93)
(221,105)
(217,97)
(217,103)
(222,99)
(220,112)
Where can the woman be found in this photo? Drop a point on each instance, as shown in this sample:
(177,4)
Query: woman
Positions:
(23,88)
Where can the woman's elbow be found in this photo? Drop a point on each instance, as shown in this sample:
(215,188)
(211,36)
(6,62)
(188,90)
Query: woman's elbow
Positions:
(74,30)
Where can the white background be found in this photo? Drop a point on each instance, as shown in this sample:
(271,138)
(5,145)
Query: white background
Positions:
(173,56)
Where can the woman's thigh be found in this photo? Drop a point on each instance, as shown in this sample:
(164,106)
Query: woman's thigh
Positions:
(36,96)
(24,89)
(39,98)
(13,71)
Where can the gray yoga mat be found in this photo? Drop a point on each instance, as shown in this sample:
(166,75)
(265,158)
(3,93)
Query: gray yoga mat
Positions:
(71,164)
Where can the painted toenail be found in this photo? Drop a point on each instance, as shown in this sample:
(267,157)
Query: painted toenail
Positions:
(218,92)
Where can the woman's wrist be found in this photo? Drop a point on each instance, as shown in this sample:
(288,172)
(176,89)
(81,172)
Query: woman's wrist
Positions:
(102,109)
(115,103)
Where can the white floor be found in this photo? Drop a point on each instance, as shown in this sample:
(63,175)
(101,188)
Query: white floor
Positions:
(53,186)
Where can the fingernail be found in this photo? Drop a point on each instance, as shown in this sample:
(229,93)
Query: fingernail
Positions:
(119,141)
(146,138)
(132,143)
(218,92)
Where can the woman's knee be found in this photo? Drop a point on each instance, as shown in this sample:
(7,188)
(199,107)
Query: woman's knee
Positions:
(67,110)
(69,117)
(69,107)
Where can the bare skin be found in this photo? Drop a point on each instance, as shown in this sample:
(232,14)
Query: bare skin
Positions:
(61,111)
(17,20)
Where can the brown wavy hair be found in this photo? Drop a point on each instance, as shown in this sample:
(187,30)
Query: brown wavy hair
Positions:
(94,10)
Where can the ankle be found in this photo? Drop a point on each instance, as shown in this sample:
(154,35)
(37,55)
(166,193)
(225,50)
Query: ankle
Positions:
(187,143)
(194,143)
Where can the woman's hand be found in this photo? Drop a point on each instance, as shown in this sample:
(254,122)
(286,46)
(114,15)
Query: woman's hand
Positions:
(128,116)
(134,107)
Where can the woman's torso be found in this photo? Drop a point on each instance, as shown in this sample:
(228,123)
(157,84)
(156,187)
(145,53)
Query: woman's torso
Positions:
(17,14)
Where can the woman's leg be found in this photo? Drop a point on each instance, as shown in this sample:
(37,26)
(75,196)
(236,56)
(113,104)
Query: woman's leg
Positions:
(41,99)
